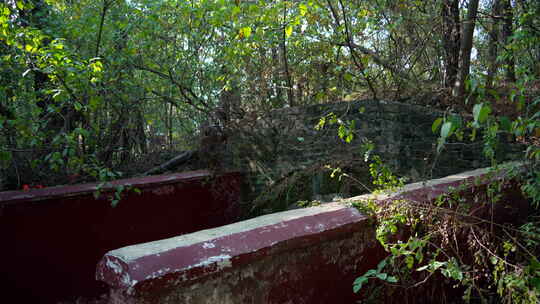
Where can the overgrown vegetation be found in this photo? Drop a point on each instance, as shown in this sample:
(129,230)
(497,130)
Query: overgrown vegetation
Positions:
(482,241)
(92,89)
(479,244)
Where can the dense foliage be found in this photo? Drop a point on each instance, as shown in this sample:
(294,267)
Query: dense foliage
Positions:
(89,87)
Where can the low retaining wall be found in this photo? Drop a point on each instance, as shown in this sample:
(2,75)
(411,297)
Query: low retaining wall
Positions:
(284,142)
(298,253)
(52,238)
(307,255)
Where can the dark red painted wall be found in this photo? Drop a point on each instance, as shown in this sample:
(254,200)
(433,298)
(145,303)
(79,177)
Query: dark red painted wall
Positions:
(52,238)
(309,255)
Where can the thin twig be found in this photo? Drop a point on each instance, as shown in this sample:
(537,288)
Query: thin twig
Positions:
(490,252)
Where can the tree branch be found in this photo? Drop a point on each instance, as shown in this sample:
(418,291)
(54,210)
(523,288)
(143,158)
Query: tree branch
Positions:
(101,22)
(190,97)
(376,58)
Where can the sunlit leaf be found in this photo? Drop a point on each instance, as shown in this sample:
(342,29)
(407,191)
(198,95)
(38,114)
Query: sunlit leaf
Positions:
(288,31)
(302,9)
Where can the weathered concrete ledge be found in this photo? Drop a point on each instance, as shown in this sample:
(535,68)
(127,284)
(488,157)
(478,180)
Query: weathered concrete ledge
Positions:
(427,191)
(307,255)
(33,195)
(193,254)
(262,260)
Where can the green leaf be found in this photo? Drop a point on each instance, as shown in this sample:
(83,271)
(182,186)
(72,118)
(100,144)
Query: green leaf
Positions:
(534,264)
(288,31)
(436,125)
(446,130)
(392,279)
(476,111)
(94,102)
(453,271)
(235,11)
(303,9)
(365,60)
(382,276)
(341,131)
(82,132)
(381,265)
(481,112)
(506,124)
(5,156)
(370,272)
(409,260)
(357,285)
(321,123)
(245,32)
(360,280)
(419,255)
(536,283)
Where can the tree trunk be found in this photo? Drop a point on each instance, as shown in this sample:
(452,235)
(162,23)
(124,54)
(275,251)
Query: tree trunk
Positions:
(466,47)
(507,30)
(451,40)
(494,34)
(288,77)
(277,87)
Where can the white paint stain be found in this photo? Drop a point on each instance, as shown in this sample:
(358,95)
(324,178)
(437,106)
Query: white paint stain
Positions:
(222,261)
(125,279)
(281,225)
(114,265)
(158,273)
(208,245)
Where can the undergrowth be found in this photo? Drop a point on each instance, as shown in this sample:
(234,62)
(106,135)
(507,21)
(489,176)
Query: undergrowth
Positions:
(479,243)
(482,242)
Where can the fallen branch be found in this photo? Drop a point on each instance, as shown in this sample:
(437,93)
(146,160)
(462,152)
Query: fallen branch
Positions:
(173,163)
